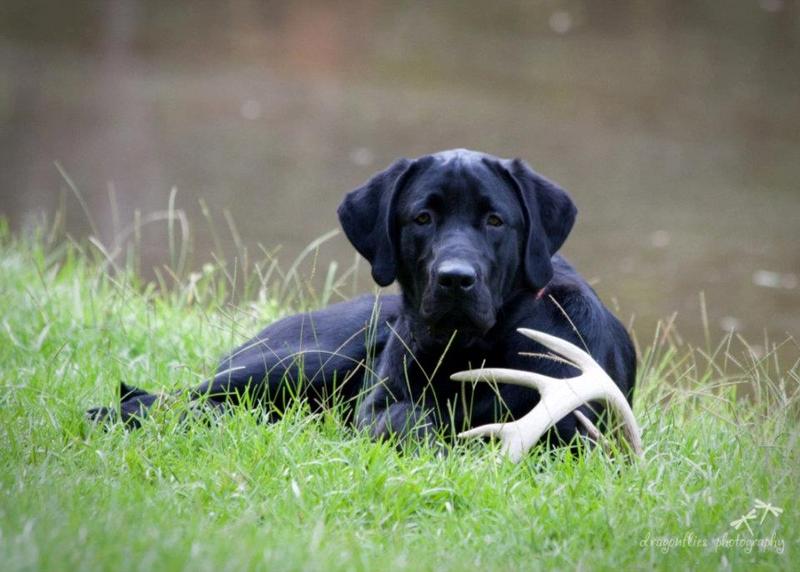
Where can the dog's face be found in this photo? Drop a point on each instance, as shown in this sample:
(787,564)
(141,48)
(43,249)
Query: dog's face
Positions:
(460,231)
(460,236)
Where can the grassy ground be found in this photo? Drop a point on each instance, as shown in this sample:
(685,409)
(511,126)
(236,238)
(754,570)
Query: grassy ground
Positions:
(309,493)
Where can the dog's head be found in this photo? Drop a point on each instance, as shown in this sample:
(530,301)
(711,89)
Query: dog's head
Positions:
(460,231)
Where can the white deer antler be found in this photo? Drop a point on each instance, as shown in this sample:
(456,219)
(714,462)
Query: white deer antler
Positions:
(558,398)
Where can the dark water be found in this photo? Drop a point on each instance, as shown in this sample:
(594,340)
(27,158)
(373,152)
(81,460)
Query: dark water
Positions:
(675,126)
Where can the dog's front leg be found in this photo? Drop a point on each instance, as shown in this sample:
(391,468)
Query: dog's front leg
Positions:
(385,416)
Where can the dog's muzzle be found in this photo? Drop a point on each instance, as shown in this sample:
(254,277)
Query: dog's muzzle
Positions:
(457,299)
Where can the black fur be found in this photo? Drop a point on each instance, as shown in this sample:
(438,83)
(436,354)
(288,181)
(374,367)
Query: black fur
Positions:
(472,241)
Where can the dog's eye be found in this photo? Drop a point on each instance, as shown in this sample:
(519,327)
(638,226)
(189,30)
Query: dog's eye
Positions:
(422,218)
(494,220)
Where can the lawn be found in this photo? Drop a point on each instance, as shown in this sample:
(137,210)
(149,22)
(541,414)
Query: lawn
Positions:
(716,489)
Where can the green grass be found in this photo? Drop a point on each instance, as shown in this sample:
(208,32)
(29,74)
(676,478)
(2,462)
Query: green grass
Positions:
(310,493)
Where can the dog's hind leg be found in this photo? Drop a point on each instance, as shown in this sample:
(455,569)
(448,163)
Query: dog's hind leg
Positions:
(317,356)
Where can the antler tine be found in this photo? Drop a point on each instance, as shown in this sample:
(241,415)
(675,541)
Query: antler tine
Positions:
(488,430)
(558,398)
(570,351)
(630,428)
(504,375)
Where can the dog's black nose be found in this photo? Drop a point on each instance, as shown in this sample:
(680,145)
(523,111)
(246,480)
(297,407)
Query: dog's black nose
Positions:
(456,276)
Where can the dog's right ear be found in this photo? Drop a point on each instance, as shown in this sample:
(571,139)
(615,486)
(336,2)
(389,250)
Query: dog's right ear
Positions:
(367,217)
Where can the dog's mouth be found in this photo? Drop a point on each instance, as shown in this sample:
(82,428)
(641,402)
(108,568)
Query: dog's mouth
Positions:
(442,320)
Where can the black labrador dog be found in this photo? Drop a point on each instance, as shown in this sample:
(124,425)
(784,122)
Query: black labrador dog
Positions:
(472,241)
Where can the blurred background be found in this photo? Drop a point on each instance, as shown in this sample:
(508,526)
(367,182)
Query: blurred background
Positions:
(675,125)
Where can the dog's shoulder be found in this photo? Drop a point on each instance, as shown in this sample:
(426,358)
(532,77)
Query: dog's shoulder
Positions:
(568,297)
(570,309)
(569,294)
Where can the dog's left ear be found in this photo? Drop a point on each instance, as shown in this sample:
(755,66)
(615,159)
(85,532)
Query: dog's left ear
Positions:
(550,215)
(367,217)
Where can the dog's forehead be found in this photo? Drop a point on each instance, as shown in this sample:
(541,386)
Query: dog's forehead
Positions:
(461,175)
(462,156)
